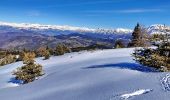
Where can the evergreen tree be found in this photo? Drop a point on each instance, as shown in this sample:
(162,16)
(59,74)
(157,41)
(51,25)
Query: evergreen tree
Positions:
(51,51)
(44,52)
(30,71)
(40,51)
(119,44)
(59,50)
(66,49)
(139,37)
(29,58)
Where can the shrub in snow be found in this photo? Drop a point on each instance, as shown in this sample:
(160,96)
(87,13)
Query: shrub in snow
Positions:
(66,49)
(30,71)
(46,55)
(8,59)
(156,38)
(119,44)
(158,58)
(43,52)
(61,49)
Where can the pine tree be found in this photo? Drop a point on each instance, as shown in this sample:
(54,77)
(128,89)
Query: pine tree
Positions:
(30,71)
(40,51)
(29,58)
(119,44)
(44,52)
(139,37)
(59,50)
(66,49)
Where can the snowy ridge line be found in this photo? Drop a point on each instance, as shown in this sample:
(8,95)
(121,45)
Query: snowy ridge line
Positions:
(153,29)
(63,28)
(166,82)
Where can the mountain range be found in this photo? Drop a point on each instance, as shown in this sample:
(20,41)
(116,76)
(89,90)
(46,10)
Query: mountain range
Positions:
(31,36)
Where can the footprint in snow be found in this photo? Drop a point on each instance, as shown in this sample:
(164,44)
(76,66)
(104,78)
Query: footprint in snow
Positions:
(71,56)
(166,82)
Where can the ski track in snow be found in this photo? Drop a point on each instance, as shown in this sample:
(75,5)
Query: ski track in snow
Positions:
(135,93)
(166,82)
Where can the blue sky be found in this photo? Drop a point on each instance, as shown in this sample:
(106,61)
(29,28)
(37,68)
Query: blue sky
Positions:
(87,13)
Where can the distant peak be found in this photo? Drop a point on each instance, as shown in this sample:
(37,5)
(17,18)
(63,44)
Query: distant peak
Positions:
(64,28)
(41,26)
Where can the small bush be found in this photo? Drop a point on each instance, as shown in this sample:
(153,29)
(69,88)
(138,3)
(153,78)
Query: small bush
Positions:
(119,44)
(8,59)
(153,58)
(59,50)
(46,54)
(30,71)
(43,52)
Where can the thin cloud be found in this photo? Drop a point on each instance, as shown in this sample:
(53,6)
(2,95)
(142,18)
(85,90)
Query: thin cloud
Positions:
(68,4)
(140,10)
(127,11)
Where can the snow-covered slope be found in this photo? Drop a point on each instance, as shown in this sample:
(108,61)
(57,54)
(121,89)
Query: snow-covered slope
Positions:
(92,75)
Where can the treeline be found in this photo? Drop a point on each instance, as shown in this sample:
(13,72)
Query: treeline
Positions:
(10,56)
(91,47)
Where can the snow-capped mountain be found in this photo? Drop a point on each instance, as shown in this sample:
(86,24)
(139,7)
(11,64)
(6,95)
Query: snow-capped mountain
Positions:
(14,35)
(43,27)
(56,29)
(158,29)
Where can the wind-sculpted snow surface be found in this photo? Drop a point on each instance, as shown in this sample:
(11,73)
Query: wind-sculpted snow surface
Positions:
(88,75)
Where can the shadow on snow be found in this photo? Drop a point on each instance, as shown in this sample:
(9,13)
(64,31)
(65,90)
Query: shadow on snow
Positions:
(131,66)
(15,81)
